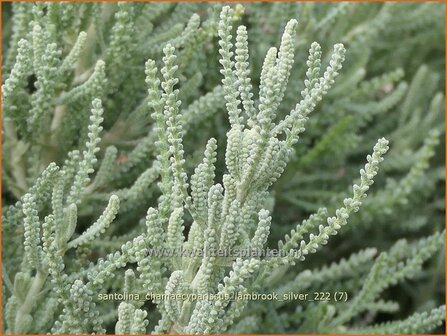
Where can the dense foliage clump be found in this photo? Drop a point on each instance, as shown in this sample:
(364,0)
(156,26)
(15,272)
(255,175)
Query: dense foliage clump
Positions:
(139,139)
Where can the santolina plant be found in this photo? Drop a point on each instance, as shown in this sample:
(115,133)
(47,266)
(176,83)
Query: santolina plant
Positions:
(157,176)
